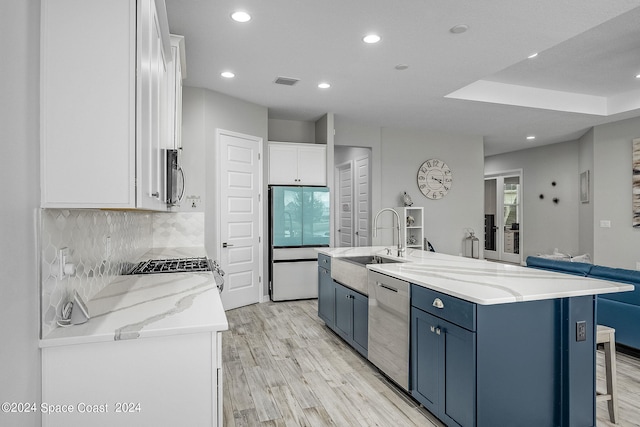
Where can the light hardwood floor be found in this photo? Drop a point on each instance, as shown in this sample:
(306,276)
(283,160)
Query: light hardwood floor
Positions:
(283,367)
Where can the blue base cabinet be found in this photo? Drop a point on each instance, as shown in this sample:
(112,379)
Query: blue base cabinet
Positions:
(505,364)
(342,309)
(326,299)
(352,317)
(444,370)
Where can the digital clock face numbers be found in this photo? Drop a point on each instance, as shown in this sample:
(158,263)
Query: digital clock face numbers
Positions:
(434,179)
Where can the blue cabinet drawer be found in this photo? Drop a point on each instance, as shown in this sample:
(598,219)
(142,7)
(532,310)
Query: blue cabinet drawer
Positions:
(324,261)
(451,309)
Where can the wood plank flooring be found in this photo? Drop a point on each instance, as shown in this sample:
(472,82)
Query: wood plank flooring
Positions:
(283,367)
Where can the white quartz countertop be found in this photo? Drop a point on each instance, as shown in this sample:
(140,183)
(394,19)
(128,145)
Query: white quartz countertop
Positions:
(140,306)
(480,281)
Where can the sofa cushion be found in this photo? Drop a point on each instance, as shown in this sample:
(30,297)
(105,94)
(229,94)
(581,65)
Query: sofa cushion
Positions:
(622,317)
(575,268)
(619,275)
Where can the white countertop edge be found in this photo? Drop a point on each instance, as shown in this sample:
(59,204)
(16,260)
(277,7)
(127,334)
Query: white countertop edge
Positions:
(577,286)
(89,339)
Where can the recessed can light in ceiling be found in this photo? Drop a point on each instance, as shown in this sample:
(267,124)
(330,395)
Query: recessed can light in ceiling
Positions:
(227,74)
(459,29)
(637,76)
(371,38)
(531,137)
(401,67)
(240,16)
(324,85)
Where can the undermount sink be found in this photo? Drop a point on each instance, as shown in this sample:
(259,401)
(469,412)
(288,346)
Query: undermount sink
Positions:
(352,271)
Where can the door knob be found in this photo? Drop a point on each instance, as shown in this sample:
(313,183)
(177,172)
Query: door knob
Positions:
(226,245)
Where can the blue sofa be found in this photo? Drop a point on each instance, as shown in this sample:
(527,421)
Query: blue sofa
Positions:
(619,310)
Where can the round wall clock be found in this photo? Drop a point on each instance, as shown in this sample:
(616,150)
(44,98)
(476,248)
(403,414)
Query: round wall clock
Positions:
(434,179)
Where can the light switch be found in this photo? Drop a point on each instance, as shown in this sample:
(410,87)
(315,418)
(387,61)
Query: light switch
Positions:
(605,223)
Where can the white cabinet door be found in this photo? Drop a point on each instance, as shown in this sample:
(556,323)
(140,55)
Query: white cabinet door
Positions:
(312,165)
(283,164)
(160,381)
(88,70)
(297,164)
(103,103)
(152,111)
(174,91)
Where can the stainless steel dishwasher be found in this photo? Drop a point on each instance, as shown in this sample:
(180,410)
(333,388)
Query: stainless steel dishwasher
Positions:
(389,326)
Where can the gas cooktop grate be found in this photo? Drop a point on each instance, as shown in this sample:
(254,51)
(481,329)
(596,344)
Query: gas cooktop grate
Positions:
(175,265)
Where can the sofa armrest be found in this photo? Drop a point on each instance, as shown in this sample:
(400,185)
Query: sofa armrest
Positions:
(575,268)
(619,275)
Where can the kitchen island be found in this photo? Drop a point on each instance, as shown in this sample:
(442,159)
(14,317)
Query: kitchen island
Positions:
(149,354)
(493,344)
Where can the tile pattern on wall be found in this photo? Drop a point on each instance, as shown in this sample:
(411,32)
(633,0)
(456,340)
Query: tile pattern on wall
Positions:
(97,262)
(178,229)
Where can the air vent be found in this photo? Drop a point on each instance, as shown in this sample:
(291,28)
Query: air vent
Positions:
(287,81)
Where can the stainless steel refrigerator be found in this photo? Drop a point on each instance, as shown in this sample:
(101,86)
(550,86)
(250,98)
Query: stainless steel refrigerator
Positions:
(299,222)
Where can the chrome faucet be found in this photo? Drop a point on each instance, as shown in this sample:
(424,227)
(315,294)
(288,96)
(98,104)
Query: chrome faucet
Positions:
(375,229)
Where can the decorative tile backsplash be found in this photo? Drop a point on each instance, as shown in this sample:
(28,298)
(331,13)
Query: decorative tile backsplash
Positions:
(180,229)
(102,244)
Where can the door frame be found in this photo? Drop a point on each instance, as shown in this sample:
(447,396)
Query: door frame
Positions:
(261,203)
(338,202)
(500,254)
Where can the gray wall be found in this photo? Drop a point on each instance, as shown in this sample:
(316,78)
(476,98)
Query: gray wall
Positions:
(618,246)
(19,291)
(585,210)
(545,225)
(445,220)
(204,111)
(292,131)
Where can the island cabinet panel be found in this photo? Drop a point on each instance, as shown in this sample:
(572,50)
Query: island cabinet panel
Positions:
(508,364)
(326,299)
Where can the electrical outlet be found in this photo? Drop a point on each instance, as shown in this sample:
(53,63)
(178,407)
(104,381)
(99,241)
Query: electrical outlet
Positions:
(63,254)
(605,223)
(581,330)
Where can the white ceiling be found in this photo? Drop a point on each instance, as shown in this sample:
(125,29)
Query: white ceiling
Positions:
(584,75)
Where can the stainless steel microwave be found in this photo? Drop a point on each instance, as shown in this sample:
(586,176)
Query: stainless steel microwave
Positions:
(174,178)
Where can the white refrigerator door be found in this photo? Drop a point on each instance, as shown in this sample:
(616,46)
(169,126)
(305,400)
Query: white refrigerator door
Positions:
(294,274)
(295,280)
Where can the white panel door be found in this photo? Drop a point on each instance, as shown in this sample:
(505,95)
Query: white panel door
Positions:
(345,232)
(363,201)
(240,217)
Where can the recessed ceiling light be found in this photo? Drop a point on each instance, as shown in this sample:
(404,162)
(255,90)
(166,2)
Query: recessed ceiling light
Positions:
(637,76)
(240,16)
(459,29)
(531,137)
(371,38)
(227,74)
(401,67)
(533,55)
(324,85)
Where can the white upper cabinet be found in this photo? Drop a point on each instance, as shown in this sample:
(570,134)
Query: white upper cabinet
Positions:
(104,103)
(297,164)
(177,72)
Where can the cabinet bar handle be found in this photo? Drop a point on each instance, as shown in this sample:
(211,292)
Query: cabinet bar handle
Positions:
(388,288)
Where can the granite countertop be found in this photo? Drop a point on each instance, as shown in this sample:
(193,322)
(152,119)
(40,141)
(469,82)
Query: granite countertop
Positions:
(480,281)
(141,306)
